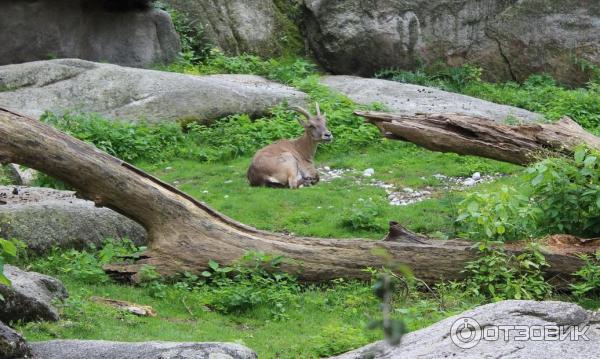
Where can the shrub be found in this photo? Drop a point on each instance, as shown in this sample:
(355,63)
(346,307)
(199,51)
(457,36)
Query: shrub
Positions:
(499,215)
(567,193)
(497,275)
(589,276)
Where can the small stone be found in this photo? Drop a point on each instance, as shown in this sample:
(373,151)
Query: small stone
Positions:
(476,176)
(369,172)
(469,182)
(408,190)
(326,168)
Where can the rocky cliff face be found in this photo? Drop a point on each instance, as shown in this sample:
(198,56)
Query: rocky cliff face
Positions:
(130,33)
(509,38)
(261,27)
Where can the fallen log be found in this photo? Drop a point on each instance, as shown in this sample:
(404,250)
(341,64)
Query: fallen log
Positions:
(184,233)
(477,136)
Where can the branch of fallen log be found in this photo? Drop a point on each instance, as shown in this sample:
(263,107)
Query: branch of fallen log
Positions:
(184,233)
(477,136)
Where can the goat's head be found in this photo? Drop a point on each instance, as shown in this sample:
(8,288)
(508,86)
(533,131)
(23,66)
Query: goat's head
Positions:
(315,126)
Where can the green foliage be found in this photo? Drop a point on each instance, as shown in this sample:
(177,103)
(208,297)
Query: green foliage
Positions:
(336,339)
(195,47)
(126,140)
(364,214)
(85,265)
(567,193)
(497,275)
(497,215)
(8,250)
(556,195)
(589,276)
(256,280)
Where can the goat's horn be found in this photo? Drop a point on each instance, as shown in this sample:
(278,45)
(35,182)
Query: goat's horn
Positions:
(301,110)
(318,109)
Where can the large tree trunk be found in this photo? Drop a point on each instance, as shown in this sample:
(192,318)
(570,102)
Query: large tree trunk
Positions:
(185,234)
(468,135)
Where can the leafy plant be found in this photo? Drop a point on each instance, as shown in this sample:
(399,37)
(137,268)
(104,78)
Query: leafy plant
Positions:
(86,265)
(497,275)
(589,276)
(498,216)
(567,193)
(7,250)
(363,215)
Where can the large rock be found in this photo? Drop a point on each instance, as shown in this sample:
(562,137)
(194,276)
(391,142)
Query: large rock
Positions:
(537,36)
(30,296)
(410,99)
(509,38)
(260,27)
(12,344)
(77,349)
(436,341)
(129,93)
(46,218)
(42,29)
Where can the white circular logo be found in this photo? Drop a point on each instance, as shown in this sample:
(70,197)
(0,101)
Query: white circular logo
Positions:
(465,333)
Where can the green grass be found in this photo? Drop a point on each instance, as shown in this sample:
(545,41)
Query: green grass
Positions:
(323,321)
(321,210)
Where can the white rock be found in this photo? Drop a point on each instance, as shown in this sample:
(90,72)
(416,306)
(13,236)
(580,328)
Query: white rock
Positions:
(368,172)
(408,190)
(469,182)
(476,176)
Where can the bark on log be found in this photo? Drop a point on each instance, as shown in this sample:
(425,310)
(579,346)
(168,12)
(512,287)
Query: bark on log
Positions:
(468,135)
(184,234)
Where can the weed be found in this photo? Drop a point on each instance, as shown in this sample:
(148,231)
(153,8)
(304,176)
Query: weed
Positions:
(589,276)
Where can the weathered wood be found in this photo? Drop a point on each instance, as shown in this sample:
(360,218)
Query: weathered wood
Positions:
(468,135)
(184,234)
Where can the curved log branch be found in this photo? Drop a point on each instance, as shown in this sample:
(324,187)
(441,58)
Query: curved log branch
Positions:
(468,135)
(184,234)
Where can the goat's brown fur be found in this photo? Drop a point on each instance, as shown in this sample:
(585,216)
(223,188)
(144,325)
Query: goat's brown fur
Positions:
(289,163)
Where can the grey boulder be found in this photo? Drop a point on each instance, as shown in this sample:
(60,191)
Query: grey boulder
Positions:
(94,349)
(136,94)
(259,27)
(30,296)
(45,218)
(42,29)
(509,39)
(12,344)
(436,342)
(410,99)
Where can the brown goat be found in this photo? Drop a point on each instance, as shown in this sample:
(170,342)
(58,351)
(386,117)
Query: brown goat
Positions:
(289,163)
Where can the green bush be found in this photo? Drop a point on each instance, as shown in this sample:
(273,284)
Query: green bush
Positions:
(589,276)
(498,215)
(567,193)
(497,275)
